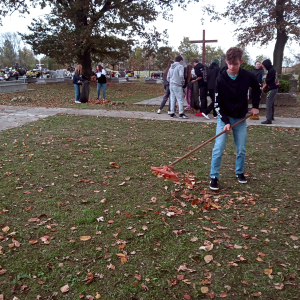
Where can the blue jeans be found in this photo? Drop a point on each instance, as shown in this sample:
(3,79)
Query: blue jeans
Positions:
(77,92)
(103,85)
(240,140)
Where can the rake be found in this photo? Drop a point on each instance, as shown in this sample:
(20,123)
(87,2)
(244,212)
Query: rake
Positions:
(167,172)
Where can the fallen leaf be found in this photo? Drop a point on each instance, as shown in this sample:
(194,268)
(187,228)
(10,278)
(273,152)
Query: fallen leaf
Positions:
(65,289)
(259,259)
(172,282)
(85,238)
(204,289)
(237,246)
(279,287)
(5,229)
(145,287)
(145,227)
(180,277)
(208,258)
(153,200)
(186,296)
(268,271)
(32,242)
(294,238)
(256,294)
(89,297)
(223,295)
(3,271)
(111,267)
(98,296)
(194,239)
(34,220)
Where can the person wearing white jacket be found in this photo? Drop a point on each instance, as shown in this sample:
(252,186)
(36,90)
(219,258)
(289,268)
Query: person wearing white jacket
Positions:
(176,79)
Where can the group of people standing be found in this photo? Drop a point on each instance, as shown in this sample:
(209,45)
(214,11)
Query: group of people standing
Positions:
(79,78)
(194,77)
(197,80)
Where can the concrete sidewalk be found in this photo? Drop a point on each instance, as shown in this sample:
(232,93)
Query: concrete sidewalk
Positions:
(14,116)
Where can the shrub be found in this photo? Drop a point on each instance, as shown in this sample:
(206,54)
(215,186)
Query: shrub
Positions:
(247,67)
(284,86)
(285,77)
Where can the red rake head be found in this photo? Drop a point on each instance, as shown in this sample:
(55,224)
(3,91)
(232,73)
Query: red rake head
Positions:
(165,172)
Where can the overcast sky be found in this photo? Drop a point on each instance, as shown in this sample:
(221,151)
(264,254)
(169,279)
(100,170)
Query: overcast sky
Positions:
(185,23)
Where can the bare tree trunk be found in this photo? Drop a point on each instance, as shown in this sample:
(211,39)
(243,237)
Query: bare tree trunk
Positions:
(281,38)
(281,41)
(86,62)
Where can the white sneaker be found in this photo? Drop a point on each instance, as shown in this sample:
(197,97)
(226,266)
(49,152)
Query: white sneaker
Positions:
(205,116)
(77,102)
(159,111)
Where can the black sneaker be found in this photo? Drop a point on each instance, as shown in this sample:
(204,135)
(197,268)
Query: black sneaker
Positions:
(241,178)
(173,116)
(213,184)
(267,122)
(183,116)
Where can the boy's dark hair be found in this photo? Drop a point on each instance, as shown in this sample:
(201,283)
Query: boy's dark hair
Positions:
(178,58)
(233,54)
(196,61)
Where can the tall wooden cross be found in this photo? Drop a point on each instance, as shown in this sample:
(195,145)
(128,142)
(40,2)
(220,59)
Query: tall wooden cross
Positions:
(203,45)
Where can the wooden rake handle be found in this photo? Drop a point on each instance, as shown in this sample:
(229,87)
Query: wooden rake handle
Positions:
(204,143)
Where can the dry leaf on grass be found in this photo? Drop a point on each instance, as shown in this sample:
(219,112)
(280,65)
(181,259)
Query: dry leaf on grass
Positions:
(85,238)
(204,289)
(65,289)
(268,271)
(208,258)
(5,229)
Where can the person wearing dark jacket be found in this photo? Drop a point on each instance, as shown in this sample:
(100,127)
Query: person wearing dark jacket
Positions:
(201,73)
(212,74)
(101,81)
(166,87)
(259,73)
(271,87)
(231,105)
(77,80)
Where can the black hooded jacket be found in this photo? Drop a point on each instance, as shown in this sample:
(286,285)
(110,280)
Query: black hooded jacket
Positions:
(232,95)
(271,76)
(259,73)
(199,70)
(212,74)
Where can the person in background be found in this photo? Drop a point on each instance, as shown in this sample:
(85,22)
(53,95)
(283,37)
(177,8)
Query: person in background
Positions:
(232,106)
(77,80)
(188,76)
(271,87)
(176,81)
(201,73)
(166,87)
(259,72)
(212,74)
(101,81)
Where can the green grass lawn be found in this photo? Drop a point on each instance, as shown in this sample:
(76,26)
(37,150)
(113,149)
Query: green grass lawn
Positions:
(80,207)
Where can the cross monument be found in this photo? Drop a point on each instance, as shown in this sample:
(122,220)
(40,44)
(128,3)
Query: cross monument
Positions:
(203,45)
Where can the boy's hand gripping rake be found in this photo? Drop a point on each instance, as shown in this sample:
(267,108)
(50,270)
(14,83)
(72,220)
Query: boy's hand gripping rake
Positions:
(167,172)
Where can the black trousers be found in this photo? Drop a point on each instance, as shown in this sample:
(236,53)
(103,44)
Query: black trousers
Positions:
(203,99)
(211,106)
(165,98)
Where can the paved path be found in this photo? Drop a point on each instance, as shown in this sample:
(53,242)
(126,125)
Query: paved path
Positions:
(14,116)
